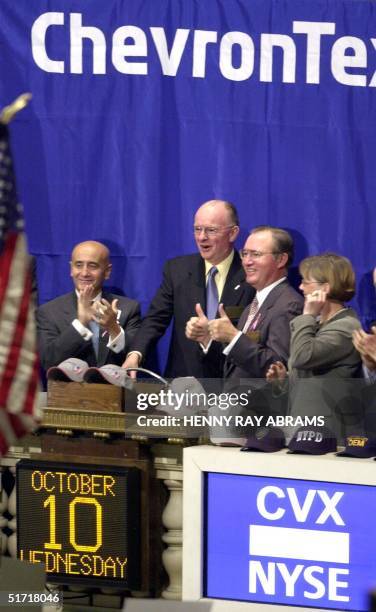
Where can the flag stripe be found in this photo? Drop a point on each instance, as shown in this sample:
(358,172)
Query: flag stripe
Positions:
(19,364)
(12,299)
(27,365)
(5,265)
(32,388)
(15,342)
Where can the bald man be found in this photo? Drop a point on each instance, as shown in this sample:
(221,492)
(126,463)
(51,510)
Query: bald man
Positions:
(184,287)
(87,323)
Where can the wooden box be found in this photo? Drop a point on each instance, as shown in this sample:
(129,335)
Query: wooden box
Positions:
(85,396)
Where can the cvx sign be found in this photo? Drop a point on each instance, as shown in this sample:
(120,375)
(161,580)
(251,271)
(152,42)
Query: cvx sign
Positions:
(286,541)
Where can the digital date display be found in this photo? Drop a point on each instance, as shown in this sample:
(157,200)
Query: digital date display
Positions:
(82,522)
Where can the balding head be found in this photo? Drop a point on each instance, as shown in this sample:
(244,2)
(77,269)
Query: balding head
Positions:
(94,247)
(216,227)
(222,205)
(90,265)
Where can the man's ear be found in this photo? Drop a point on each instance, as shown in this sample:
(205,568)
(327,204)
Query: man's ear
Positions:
(70,268)
(283,259)
(108,271)
(234,232)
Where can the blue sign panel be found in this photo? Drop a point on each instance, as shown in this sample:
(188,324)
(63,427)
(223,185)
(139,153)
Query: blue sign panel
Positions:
(284,541)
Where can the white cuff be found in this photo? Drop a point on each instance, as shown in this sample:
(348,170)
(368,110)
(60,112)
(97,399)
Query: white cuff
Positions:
(230,346)
(117,344)
(86,333)
(135,353)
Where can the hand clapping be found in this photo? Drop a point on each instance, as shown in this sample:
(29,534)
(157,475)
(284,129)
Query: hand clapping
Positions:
(105,314)
(365,344)
(276,372)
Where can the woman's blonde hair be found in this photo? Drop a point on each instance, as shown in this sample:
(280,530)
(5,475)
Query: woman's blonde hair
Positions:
(333,269)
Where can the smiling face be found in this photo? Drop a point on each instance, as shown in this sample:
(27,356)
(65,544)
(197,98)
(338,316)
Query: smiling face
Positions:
(90,265)
(264,268)
(214,246)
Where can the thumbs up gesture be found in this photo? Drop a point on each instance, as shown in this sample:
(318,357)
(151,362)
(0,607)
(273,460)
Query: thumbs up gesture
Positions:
(197,327)
(222,329)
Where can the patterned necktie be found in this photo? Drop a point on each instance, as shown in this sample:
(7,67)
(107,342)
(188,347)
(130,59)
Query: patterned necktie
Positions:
(251,315)
(211,294)
(94,326)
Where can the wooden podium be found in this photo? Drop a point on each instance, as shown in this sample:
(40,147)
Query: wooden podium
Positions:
(82,435)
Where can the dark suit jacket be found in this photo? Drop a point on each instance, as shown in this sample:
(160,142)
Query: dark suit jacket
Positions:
(183,286)
(58,339)
(252,355)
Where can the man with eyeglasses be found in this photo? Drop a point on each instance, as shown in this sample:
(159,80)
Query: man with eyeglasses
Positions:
(194,284)
(263,333)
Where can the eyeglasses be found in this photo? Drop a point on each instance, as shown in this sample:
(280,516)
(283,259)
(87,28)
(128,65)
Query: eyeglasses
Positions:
(244,253)
(311,282)
(210,231)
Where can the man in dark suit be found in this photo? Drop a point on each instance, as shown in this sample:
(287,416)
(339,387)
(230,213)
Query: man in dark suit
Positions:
(87,323)
(263,333)
(184,287)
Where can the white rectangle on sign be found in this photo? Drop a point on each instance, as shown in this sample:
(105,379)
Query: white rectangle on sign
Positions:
(306,544)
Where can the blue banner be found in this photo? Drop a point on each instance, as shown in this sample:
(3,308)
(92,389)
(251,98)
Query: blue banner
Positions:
(142,110)
(296,542)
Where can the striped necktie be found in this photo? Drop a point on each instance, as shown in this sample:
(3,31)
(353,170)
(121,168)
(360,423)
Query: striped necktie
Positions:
(251,315)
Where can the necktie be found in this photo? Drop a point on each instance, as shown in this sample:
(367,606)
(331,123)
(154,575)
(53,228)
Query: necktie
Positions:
(251,315)
(211,294)
(94,326)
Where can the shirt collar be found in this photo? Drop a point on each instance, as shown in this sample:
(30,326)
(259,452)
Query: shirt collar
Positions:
(263,293)
(222,267)
(97,297)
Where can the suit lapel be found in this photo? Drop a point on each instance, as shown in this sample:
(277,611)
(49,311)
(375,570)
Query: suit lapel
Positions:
(235,283)
(197,289)
(233,289)
(273,296)
(268,303)
(69,311)
(229,365)
(244,317)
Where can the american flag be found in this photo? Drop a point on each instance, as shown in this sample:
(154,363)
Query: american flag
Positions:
(19,366)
